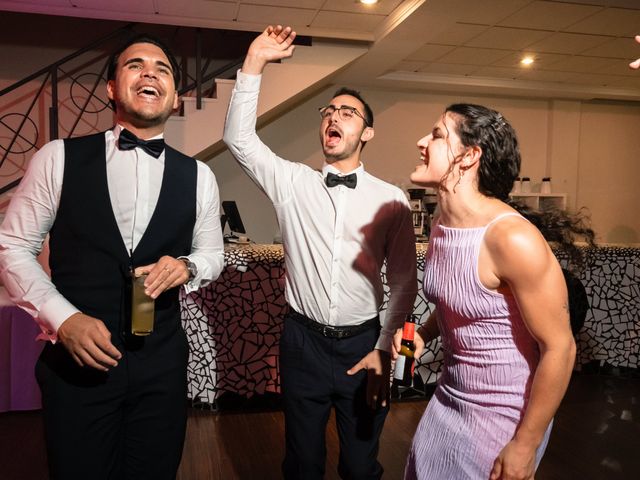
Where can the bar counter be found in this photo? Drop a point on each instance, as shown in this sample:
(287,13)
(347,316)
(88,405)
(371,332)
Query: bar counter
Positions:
(234,324)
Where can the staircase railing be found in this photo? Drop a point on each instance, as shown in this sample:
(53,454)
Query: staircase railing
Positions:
(28,106)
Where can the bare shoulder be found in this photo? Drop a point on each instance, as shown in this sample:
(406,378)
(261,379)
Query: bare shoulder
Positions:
(516,247)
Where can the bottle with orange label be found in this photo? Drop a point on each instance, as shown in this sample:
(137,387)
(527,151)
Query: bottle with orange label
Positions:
(403,373)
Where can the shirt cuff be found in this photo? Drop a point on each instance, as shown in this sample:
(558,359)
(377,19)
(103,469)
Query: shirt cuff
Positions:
(202,278)
(245,82)
(53,314)
(385,342)
(196,284)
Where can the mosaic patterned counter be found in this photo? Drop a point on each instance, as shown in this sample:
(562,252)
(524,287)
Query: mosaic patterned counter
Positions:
(611,332)
(234,324)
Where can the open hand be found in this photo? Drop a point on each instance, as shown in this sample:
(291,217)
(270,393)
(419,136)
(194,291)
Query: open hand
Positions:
(275,43)
(88,341)
(377,363)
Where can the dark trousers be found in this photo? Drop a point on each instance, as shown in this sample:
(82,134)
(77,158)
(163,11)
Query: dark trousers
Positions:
(128,423)
(314,379)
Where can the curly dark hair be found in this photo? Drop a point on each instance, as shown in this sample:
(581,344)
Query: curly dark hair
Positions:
(500,162)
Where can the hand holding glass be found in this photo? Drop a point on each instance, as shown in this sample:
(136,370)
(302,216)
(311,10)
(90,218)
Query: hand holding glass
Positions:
(142,308)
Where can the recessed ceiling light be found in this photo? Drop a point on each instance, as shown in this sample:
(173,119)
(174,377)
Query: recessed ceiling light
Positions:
(526,61)
(368,2)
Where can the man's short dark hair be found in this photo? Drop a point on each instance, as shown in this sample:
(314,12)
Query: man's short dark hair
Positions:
(368,113)
(144,38)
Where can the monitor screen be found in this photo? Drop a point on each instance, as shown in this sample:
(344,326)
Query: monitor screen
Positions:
(232,217)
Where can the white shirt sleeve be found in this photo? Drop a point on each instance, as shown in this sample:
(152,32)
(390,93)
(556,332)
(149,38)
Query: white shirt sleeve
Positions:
(207,249)
(28,220)
(272,174)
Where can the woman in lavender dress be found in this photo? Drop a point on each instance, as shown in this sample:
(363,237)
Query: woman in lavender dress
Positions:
(501,309)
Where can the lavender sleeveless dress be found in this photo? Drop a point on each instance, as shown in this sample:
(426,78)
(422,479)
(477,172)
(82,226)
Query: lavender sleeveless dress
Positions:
(489,362)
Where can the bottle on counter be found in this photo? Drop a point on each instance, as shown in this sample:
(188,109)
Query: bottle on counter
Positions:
(516,186)
(525,186)
(403,372)
(545,186)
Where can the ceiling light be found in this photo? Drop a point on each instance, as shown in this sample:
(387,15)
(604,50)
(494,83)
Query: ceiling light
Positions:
(526,61)
(368,2)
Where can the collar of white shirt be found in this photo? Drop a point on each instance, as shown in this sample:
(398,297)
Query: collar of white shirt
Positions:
(328,168)
(118,128)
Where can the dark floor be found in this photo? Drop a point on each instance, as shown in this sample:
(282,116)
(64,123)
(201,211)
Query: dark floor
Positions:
(596,437)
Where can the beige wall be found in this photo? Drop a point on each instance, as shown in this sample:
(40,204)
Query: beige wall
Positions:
(589,150)
(609,169)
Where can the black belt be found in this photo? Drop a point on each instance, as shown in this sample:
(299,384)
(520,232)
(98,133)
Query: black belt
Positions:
(330,331)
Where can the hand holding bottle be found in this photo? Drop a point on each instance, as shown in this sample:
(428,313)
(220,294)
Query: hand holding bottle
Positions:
(419,341)
(403,372)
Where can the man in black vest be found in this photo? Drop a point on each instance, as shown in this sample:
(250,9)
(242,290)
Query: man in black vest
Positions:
(114,403)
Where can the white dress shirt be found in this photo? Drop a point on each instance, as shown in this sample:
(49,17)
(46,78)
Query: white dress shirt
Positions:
(134,179)
(337,239)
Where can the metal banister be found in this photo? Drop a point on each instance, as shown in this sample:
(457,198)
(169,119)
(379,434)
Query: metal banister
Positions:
(52,76)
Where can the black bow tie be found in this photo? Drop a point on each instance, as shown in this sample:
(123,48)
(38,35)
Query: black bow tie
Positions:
(128,141)
(349,181)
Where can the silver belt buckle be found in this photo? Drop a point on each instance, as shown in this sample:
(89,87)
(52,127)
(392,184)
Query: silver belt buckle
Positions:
(325,330)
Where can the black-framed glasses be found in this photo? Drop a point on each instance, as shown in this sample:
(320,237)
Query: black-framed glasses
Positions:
(345,112)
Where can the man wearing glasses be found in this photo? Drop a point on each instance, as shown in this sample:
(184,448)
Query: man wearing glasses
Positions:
(339,226)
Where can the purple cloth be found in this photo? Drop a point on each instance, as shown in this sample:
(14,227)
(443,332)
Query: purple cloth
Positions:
(489,362)
(19,351)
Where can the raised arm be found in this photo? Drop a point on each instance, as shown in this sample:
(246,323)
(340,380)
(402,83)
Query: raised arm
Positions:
(275,43)
(524,261)
(270,172)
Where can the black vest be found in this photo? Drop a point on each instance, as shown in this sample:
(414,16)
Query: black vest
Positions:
(88,258)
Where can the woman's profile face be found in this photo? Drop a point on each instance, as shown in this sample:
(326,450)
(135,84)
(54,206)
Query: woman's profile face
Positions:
(439,151)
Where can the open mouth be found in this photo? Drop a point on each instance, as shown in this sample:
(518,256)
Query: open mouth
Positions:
(148,91)
(332,136)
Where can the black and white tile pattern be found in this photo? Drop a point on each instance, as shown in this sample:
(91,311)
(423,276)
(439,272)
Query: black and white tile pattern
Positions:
(611,332)
(234,324)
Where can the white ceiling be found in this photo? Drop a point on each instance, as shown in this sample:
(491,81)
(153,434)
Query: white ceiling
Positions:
(582,47)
